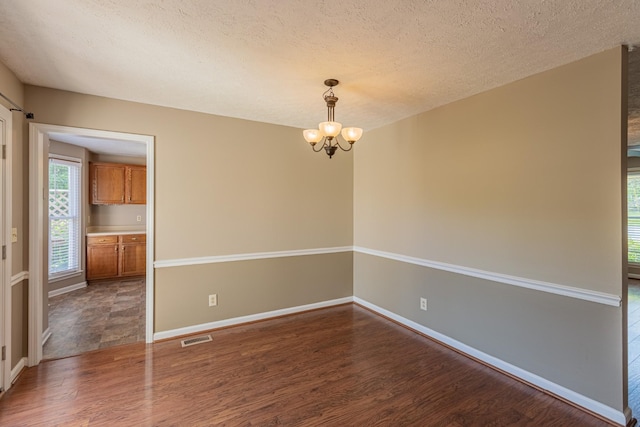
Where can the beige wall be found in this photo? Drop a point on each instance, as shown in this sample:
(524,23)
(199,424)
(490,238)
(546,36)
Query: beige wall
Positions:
(223,185)
(226,186)
(522,180)
(19,322)
(14,90)
(249,287)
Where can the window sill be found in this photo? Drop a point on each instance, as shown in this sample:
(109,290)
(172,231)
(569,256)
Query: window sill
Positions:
(64,276)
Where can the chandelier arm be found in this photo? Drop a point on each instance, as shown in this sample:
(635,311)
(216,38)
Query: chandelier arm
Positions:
(340,146)
(320,146)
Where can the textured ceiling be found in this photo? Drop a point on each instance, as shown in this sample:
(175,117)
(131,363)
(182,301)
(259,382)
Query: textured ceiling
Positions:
(266,60)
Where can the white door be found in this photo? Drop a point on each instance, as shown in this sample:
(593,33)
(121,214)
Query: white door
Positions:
(5,268)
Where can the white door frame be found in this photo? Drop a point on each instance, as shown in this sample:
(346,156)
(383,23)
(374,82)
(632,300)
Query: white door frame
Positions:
(38,137)
(5,276)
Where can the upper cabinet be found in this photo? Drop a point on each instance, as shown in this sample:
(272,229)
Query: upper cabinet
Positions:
(117,184)
(135,188)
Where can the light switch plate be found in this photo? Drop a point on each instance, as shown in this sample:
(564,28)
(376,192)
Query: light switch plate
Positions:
(14,235)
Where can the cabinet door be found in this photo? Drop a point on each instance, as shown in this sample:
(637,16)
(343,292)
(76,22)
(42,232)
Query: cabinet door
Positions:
(107,183)
(136,187)
(102,261)
(133,259)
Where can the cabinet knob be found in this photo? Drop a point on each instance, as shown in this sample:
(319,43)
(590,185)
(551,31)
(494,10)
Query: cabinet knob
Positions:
(134,238)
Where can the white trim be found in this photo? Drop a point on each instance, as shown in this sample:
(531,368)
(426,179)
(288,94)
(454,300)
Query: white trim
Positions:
(65,158)
(22,363)
(19,278)
(37,138)
(249,256)
(150,237)
(552,288)
(245,319)
(66,290)
(7,221)
(46,335)
(580,400)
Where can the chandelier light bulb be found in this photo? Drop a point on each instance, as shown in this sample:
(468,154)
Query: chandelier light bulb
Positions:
(312,136)
(331,129)
(351,135)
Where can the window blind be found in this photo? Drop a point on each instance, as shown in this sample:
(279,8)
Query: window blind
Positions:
(633,216)
(64,217)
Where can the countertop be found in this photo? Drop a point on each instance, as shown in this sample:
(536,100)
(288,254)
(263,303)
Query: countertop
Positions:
(115,230)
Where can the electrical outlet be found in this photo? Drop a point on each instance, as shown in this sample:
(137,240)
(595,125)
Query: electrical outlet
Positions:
(14,235)
(423,304)
(213,300)
(139,218)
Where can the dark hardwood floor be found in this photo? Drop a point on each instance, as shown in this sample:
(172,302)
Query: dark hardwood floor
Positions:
(340,366)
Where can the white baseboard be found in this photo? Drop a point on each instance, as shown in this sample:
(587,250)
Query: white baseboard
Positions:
(22,363)
(246,319)
(67,289)
(46,335)
(553,388)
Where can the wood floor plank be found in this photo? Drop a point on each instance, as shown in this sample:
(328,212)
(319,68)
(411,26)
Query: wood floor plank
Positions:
(341,366)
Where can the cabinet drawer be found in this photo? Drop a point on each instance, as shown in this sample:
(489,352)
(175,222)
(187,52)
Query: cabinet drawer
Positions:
(134,238)
(99,240)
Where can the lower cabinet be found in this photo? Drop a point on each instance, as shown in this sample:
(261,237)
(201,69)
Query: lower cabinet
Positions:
(133,254)
(116,256)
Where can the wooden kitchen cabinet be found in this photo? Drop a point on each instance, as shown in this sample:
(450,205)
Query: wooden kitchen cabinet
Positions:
(135,190)
(114,256)
(133,255)
(117,184)
(107,183)
(102,257)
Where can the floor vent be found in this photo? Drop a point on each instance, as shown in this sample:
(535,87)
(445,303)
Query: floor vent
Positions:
(196,340)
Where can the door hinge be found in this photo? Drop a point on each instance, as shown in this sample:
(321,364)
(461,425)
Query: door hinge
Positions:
(4,251)
(4,151)
(4,352)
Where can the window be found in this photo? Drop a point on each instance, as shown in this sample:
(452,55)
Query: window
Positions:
(64,217)
(633,216)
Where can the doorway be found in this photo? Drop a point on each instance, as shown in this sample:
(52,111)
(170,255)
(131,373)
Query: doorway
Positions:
(40,136)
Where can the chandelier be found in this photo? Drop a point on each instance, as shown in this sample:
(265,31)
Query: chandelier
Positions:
(328,131)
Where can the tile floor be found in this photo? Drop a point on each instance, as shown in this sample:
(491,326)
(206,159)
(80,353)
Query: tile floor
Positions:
(101,315)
